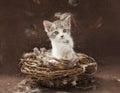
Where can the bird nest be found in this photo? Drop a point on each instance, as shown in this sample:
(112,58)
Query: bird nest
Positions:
(48,71)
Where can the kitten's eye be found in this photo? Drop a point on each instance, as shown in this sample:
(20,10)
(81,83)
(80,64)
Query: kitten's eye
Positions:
(56,32)
(64,30)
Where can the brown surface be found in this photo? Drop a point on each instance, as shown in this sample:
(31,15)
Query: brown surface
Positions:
(101,43)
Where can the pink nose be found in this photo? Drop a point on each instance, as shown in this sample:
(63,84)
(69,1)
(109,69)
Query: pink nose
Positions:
(62,36)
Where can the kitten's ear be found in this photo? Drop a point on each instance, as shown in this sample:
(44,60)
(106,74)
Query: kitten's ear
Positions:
(67,20)
(47,25)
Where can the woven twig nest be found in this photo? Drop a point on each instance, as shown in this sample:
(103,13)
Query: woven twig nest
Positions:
(51,72)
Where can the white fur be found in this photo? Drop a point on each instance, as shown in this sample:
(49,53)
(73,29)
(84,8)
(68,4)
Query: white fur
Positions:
(62,48)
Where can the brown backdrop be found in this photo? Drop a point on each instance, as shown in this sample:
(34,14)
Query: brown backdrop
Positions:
(17,15)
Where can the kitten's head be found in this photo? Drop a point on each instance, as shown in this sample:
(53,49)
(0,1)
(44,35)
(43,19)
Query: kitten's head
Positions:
(58,30)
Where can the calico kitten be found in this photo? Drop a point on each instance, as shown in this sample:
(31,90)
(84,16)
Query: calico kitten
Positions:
(60,36)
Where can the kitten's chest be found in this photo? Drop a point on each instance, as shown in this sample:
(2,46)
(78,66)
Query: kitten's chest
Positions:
(62,49)
(63,45)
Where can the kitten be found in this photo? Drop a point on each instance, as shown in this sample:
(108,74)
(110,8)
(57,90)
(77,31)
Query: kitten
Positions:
(60,37)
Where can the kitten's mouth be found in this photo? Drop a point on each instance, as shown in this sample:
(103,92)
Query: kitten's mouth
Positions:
(67,41)
(61,37)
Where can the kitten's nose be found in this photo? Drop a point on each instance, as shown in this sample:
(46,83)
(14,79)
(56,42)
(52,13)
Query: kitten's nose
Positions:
(62,36)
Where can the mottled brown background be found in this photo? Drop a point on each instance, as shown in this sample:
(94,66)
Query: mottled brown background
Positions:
(102,43)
